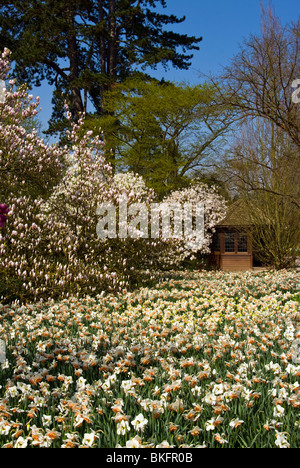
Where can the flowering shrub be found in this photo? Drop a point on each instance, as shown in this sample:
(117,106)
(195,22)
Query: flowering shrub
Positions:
(136,258)
(201,360)
(50,247)
(28,165)
(91,264)
(29,169)
(177,251)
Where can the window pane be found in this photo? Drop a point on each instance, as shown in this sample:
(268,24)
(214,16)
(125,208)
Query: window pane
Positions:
(229,241)
(218,242)
(242,243)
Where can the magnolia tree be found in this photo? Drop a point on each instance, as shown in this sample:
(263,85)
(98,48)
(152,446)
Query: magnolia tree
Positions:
(50,246)
(168,232)
(29,169)
(50,195)
(23,155)
(90,263)
(135,256)
(209,208)
(214,210)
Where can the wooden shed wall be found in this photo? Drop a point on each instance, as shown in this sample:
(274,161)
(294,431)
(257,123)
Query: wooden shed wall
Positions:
(236,262)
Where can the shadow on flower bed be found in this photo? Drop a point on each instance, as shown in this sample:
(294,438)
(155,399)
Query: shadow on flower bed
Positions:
(3,214)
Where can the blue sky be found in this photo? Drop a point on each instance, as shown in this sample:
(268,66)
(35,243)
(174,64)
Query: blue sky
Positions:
(223,24)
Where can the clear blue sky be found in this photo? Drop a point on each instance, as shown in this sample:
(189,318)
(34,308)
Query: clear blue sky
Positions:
(223,24)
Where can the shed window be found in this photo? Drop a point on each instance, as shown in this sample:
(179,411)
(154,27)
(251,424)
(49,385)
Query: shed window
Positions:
(242,243)
(229,242)
(218,242)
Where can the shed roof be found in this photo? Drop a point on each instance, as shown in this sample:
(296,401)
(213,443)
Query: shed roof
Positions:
(237,215)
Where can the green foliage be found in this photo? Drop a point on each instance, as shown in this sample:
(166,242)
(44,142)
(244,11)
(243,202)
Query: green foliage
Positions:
(163,131)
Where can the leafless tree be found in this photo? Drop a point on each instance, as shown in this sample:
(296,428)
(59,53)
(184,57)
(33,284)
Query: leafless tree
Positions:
(258,82)
(263,170)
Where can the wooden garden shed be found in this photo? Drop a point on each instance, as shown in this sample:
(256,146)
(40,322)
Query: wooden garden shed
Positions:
(232,246)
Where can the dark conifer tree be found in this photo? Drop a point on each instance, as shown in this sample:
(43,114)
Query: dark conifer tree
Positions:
(84,47)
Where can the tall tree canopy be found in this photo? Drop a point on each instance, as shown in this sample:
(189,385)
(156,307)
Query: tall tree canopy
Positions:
(84,47)
(164,131)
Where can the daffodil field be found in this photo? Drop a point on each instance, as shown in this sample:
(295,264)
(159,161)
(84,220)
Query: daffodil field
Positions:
(202,360)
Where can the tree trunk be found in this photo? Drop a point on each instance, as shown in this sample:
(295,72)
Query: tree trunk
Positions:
(112,46)
(76,98)
(111,55)
(103,51)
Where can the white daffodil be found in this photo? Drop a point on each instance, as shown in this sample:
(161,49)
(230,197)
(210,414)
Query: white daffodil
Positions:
(281,440)
(139,423)
(21,443)
(89,439)
(134,443)
(122,427)
(278,411)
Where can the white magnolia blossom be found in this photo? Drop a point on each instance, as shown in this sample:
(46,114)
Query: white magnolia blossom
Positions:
(214,211)
(2,91)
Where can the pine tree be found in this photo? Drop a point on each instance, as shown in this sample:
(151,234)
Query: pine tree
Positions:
(83,48)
